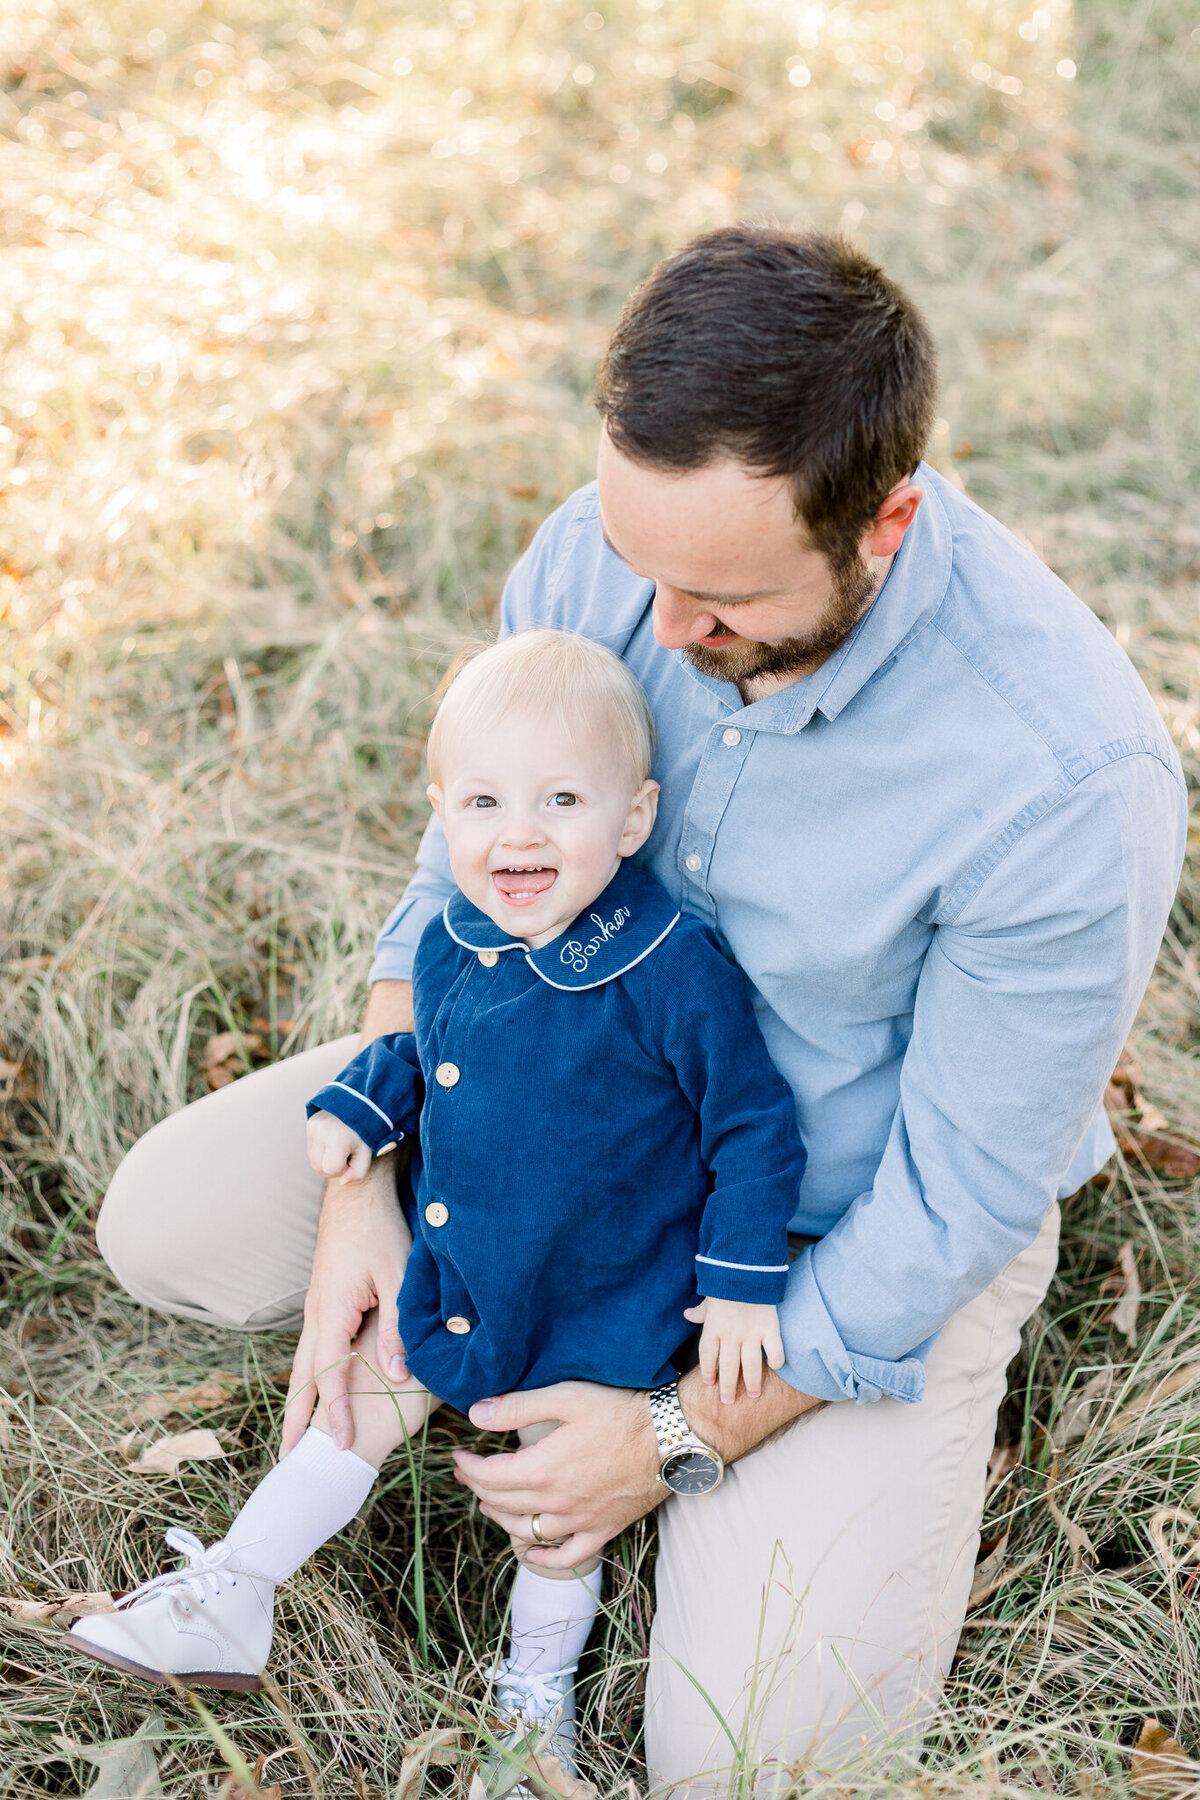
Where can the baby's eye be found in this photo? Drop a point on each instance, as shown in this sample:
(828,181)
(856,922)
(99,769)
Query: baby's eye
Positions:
(566,799)
(482,800)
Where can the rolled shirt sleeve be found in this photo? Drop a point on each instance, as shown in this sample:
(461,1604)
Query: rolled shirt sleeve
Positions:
(1028,990)
(422,900)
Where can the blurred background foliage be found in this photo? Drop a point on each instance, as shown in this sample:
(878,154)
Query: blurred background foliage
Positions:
(301,308)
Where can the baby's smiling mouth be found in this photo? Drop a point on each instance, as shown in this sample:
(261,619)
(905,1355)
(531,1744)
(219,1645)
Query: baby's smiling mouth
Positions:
(522,885)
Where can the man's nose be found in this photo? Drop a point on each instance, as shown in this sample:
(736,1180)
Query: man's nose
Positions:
(678,620)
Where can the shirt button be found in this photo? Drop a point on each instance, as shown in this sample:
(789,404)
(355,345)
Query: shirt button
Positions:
(489,958)
(459,1326)
(731,737)
(447,1074)
(436,1213)
(695,864)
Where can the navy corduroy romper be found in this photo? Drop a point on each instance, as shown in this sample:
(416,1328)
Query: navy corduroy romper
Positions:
(601,1137)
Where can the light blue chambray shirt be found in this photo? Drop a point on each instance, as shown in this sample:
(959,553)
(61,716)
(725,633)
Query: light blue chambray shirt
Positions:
(944,862)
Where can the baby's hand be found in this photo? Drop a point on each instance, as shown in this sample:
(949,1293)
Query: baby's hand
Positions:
(736,1337)
(336,1151)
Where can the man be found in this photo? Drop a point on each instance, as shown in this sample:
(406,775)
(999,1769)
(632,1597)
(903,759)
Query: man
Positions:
(931,810)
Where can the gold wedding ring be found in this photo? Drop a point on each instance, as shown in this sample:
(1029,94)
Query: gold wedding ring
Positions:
(535,1527)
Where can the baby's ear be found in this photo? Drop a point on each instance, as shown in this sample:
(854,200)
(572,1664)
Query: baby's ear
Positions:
(643,811)
(435,797)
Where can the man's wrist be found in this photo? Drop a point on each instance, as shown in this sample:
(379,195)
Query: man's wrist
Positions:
(389,1008)
(735,1430)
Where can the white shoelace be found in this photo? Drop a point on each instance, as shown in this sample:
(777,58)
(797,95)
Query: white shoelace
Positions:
(205,1568)
(533,1698)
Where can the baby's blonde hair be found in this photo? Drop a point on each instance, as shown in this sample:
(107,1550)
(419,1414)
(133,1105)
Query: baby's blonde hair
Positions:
(547,672)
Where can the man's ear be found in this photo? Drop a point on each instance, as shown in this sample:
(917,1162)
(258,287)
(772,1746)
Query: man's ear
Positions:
(893,520)
(643,811)
(435,797)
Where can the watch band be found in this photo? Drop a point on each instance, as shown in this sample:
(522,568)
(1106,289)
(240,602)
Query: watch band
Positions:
(671,1427)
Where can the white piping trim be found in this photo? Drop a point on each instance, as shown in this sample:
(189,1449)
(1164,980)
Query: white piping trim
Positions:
(754,1268)
(390,1123)
(571,987)
(475,947)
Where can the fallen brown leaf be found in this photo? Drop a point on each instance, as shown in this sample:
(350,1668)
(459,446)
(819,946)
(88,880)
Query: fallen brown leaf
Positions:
(63,1611)
(1003,1460)
(544,1775)
(226,1055)
(1186,1376)
(1091,1786)
(16,1083)
(1075,1419)
(991,1574)
(1126,1078)
(233,1789)
(547,1776)
(213,1392)
(1160,1767)
(126,1769)
(1082,1547)
(986,1570)
(165,1456)
(433,1749)
(1129,1291)
(1165,1157)
(1145,1138)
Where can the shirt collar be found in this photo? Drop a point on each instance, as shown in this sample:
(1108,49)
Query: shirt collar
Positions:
(913,591)
(629,919)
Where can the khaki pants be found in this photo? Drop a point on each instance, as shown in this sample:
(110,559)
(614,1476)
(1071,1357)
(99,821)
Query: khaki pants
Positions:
(808,1609)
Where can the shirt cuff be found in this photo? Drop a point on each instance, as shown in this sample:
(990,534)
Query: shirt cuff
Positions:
(819,1363)
(369,1121)
(741,1281)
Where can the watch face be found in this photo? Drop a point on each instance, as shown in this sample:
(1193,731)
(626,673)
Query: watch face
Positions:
(691,1472)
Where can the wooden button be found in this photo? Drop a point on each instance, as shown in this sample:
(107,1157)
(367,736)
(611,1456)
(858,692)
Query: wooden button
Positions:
(489,958)
(447,1074)
(458,1325)
(436,1213)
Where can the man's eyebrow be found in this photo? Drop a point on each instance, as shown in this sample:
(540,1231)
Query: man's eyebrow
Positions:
(705,599)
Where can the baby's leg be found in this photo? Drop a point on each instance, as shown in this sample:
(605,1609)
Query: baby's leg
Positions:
(316,1490)
(210,1624)
(386,1413)
(553,1610)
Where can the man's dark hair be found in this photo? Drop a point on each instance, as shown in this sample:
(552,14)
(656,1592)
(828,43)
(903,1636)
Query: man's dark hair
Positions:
(791,353)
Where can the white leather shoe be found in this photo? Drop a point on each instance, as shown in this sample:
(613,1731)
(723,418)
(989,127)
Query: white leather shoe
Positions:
(206,1625)
(537,1716)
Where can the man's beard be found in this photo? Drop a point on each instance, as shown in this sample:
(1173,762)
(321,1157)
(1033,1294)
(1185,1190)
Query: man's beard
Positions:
(851,593)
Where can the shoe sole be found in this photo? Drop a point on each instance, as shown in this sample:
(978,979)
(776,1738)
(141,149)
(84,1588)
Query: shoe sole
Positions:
(206,1678)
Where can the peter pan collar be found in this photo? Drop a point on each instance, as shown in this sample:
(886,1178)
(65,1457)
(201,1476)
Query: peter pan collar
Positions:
(630,919)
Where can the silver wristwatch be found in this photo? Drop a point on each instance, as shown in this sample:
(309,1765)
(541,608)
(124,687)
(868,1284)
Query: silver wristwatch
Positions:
(686,1464)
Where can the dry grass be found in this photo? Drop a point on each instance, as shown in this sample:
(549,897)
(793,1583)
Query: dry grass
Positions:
(301,309)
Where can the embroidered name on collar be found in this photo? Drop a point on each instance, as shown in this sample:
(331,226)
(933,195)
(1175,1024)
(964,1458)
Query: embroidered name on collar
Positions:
(577,954)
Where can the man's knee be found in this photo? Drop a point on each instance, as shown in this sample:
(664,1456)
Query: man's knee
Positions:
(181,1235)
(133,1233)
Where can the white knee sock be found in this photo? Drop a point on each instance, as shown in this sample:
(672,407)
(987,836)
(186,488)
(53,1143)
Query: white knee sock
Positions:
(305,1499)
(551,1620)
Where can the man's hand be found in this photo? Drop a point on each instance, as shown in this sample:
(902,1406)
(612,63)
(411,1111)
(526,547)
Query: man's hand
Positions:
(363,1243)
(599,1471)
(589,1479)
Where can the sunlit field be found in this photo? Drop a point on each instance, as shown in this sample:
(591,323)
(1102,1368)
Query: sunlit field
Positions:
(301,310)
